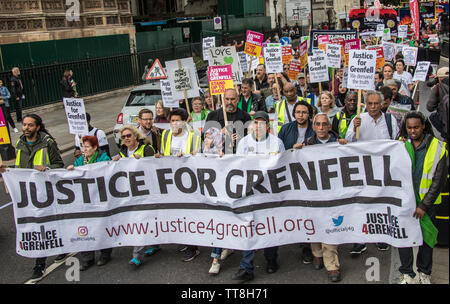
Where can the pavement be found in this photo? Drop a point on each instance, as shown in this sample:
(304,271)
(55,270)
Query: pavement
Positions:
(104,109)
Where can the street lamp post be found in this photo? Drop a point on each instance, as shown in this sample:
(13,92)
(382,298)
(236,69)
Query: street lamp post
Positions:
(276,16)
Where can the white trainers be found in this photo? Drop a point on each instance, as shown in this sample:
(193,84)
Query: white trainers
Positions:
(15,130)
(226,253)
(406,279)
(215,268)
(424,278)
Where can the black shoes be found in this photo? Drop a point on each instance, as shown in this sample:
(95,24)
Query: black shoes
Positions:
(317,263)
(38,273)
(307,256)
(272,266)
(383,246)
(103,260)
(334,275)
(243,276)
(60,258)
(86,265)
(358,249)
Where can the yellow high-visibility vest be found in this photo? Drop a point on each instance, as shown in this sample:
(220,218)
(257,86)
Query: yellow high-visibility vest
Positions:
(190,146)
(280,110)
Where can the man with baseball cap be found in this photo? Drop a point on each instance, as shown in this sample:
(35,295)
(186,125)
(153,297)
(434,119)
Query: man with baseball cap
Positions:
(259,141)
(301,85)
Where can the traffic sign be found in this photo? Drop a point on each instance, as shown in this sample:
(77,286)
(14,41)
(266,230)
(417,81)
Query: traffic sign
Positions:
(156,71)
(217,23)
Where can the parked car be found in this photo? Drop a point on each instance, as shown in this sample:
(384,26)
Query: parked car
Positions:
(143,96)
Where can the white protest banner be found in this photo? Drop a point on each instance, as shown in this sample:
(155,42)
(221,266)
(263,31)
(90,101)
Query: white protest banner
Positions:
(167,97)
(402,31)
(273,58)
(361,69)
(318,70)
(333,56)
(388,50)
(208,42)
(226,55)
(398,48)
(244,60)
(410,55)
(399,110)
(386,34)
(76,116)
(207,201)
(380,30)
(421,71)
(184,77)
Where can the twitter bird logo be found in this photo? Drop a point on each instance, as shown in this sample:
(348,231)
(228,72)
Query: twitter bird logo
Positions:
(337,222)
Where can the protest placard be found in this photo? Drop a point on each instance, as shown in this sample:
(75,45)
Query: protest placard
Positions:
(286,53)
(386,34)
(226,55)
(4,134)
(332,34)
(388,50)
(380,54)
(380,30)
(208,42)
(421,71)
(303,53)
(410,55)
(220,79)
(353,44)
(273,58)
(199,192)
(182,75)
(333,56)
(166,94)
(361,69)
(76,116)
(345,77)
(318,70)
(322,42)
(253,43)
(402,31)
(294,69)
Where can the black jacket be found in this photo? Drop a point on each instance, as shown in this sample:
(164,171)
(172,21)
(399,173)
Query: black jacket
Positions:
(16,87)
(261,84)
(67,89)
(313,140)
(289,134)
(258,103)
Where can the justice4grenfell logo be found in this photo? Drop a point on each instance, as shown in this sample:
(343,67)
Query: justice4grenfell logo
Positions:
(83,235)
(337,222)
(40,240)
(384,224)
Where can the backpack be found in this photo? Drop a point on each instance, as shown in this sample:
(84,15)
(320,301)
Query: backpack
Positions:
(388,118)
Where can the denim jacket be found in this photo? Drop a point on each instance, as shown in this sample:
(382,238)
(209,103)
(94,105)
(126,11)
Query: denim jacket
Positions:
(4,92)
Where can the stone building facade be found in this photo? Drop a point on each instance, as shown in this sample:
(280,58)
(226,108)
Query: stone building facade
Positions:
(40,20)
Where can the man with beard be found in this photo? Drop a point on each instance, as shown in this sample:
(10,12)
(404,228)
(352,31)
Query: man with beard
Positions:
(234,115)
(343,118)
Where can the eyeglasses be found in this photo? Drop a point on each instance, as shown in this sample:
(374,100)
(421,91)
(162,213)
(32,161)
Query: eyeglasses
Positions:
(146,119)
(126,136)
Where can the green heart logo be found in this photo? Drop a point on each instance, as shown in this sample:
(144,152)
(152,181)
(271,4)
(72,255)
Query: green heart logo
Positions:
(228,60)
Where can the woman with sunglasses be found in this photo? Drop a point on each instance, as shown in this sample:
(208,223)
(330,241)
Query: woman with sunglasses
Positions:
(91,154)
(136,144)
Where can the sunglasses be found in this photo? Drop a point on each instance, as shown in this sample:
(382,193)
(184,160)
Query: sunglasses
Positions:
(126,136)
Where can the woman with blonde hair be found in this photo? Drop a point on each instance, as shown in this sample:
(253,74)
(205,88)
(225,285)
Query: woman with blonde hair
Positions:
(327,105)
(136,144)
(210,102)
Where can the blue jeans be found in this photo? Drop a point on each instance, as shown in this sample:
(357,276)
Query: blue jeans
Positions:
(248,256)
(216,252)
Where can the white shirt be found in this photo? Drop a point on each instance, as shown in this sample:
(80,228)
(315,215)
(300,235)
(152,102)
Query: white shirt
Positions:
(371,130)
(406,79)
(178,144)
(248,145)
(101,137)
